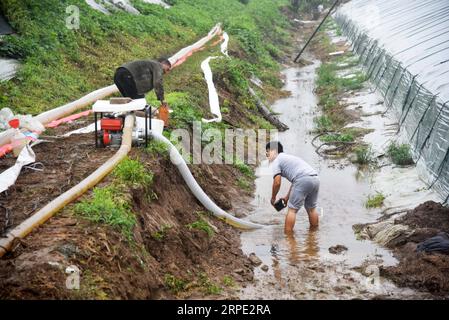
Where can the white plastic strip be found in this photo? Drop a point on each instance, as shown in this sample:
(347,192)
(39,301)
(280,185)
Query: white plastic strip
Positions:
(214,103)
(184,52)
(198,192)
(9,176)
(224,45)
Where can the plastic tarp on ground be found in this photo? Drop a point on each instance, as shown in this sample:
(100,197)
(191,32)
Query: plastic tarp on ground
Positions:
(404,45)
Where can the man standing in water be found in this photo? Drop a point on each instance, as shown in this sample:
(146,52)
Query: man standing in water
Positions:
(136,78)
(304,180)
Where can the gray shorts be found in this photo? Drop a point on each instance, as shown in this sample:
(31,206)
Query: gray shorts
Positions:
(304,192)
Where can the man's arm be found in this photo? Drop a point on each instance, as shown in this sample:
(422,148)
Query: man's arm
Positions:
(276,186)
(158,84)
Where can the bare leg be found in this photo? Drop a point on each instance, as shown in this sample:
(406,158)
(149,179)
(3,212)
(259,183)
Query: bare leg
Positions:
(313,217)
(290,220)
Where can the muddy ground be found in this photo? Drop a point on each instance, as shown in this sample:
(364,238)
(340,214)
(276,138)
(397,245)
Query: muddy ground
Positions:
(184,263)
(423,271)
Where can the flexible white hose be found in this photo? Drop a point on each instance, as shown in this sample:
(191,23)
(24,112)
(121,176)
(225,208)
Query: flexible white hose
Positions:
(198,192)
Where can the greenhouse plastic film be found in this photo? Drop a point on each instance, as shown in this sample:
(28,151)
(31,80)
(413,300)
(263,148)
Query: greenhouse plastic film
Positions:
(404,46)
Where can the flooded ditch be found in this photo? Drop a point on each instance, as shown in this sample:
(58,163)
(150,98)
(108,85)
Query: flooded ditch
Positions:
(302,267)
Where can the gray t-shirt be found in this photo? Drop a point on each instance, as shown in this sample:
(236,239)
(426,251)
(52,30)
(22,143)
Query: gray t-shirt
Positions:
(290,167)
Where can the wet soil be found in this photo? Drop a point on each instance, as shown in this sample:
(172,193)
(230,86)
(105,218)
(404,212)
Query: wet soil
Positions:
(423,271)
(63,164)
(184,263)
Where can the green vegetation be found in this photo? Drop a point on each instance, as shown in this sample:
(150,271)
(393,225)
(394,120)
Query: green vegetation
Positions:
(338,137)
(108,205)
(375,201)
(244,168)
(157,148)
(228,281)
(208,286)
(133,173)
(60,64)
(161,233)
(364,154)
(174,284)
(243,183)
(323,124)
(400,154)
(202,225)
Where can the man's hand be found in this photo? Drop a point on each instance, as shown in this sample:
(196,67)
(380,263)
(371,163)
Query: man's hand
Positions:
(273,201)
(286,198)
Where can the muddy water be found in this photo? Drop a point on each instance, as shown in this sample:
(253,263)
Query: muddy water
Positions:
(302,267)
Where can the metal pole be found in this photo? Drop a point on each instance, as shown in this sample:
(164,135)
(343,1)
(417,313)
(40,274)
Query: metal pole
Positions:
(316,30)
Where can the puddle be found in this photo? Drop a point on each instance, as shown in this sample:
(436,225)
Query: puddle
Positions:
(302,267)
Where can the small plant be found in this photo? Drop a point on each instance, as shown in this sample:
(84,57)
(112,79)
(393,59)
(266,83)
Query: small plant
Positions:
(375,201)
(242,183)
(157,147)
(175,284)
(208,285)
(323,124)
(108,206)
(339,137)
(364,155)
(244,168)
(162,233)
(400,154)
(201,224)
(228,281)
(133,172)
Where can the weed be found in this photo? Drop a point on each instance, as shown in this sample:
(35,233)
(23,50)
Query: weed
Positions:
(244,168)
(400,154)
(242,183)
(107,205)
(174,284)
(323,124)
(201,224)
(161,233)
(228,281)
(375,201)
(208,285)
(133,172)
(364,155)
(157,147)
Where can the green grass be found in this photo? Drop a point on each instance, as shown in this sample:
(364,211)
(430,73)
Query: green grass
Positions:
(108,205)
(208,286)
(323,124)
(202,225)
(157,148)
(338,137)
(174,284)
(244,168)
(244,184)
(61,65)
(228,281)
(133,173)
(400,154)
(161,233)
(364,155)
(375,201)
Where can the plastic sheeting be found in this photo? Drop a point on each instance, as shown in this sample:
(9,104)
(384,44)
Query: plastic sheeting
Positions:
(8,68)
(404,46)
(104,5)
(9,177)
(214,102)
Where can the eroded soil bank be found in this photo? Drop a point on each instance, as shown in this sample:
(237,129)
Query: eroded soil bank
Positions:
(420,270)
(167,259)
